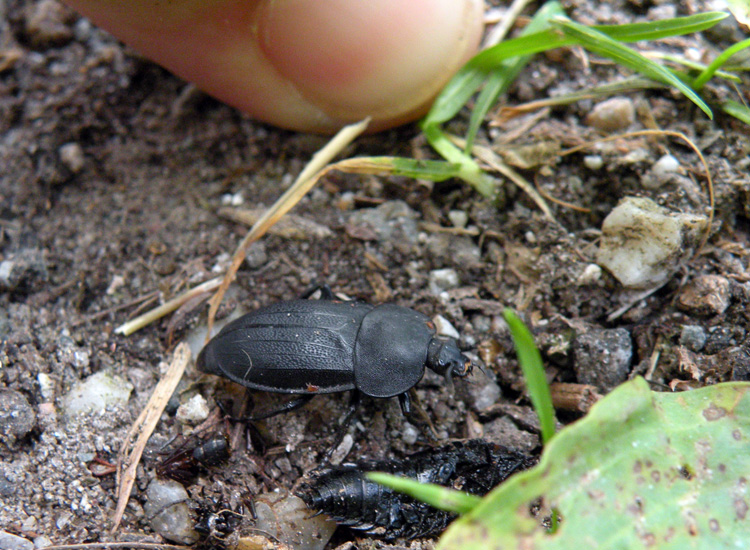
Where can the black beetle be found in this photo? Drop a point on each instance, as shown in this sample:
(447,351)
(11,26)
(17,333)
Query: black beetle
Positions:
(346,495)
(183,463)
(308,347)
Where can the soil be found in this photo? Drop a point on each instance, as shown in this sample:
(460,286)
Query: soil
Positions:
(113,175)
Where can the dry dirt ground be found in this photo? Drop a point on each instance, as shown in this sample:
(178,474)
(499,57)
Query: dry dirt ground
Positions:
(112,175)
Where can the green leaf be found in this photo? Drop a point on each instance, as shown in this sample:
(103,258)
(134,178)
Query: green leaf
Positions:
(737,110)
(436,496)
(719,62)
(641,470)
(603,45)
(533,372)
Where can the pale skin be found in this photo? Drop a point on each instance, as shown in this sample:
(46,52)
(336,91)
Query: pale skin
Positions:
(308,65)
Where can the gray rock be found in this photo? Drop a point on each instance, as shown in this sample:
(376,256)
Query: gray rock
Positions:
(442,279)
(167,510)
(288,519)
(96,393)
(13,542)
(504,431)
(603,358)
(23,270)
(643,244)
(693,337)
(47,24)
(256,255)
(393,222)
(71,155)
(17,416)
(454,250)
(706,295)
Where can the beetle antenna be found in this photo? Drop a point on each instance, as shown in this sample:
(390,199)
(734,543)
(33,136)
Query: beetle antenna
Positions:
(481,368)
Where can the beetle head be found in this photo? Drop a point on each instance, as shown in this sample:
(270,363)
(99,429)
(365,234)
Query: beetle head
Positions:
(444,357)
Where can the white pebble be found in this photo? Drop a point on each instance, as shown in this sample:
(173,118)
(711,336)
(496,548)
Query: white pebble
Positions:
(643,244)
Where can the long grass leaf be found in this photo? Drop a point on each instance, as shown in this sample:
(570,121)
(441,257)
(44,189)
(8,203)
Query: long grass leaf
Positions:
(533,372)
(719,62)
(655,30)
(603,45)
(501,78)
(436,496)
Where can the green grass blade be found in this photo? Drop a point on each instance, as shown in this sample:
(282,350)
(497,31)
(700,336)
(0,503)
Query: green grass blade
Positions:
(552,38)
(436,496)
(533,372)
(719,62)
(603,45)
(503,76)
(469,170)
(655,30)
(737,110)
(455,95)
(433,170)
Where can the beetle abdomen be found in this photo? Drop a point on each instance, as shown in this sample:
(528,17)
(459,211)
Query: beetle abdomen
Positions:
(299,346)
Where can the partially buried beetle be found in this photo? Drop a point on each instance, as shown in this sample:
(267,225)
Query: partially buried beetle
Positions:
(307,347)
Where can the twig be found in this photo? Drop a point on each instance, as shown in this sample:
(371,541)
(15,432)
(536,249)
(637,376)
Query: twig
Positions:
(149,317)
(144,426)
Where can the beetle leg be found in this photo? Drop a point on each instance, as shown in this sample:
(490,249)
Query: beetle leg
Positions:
(353,406)
(325,292)
(405,402)
(291,405)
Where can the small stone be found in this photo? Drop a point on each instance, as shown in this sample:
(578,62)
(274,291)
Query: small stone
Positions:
(96,393)
(47,24)
(344,448)
(482,391)
(444,327)
(643,244)
(442,279)
(706,295)
(409,433)
(13,542)
(454,250)
(42,541)
(505,430)
(167,510)
(17,416)
(665,165)
(23,270)
(458,218)
(614,114)
(46,386)
(194,411)
(593,162)
(602,358)
(288,520)
(693,337)
(71,155)
(664,170)
(256,256)
(592,273)
(393,222)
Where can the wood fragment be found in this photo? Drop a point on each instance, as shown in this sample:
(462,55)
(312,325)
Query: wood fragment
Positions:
(574,397)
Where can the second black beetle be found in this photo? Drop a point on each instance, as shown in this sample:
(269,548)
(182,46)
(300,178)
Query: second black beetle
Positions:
(307,347)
